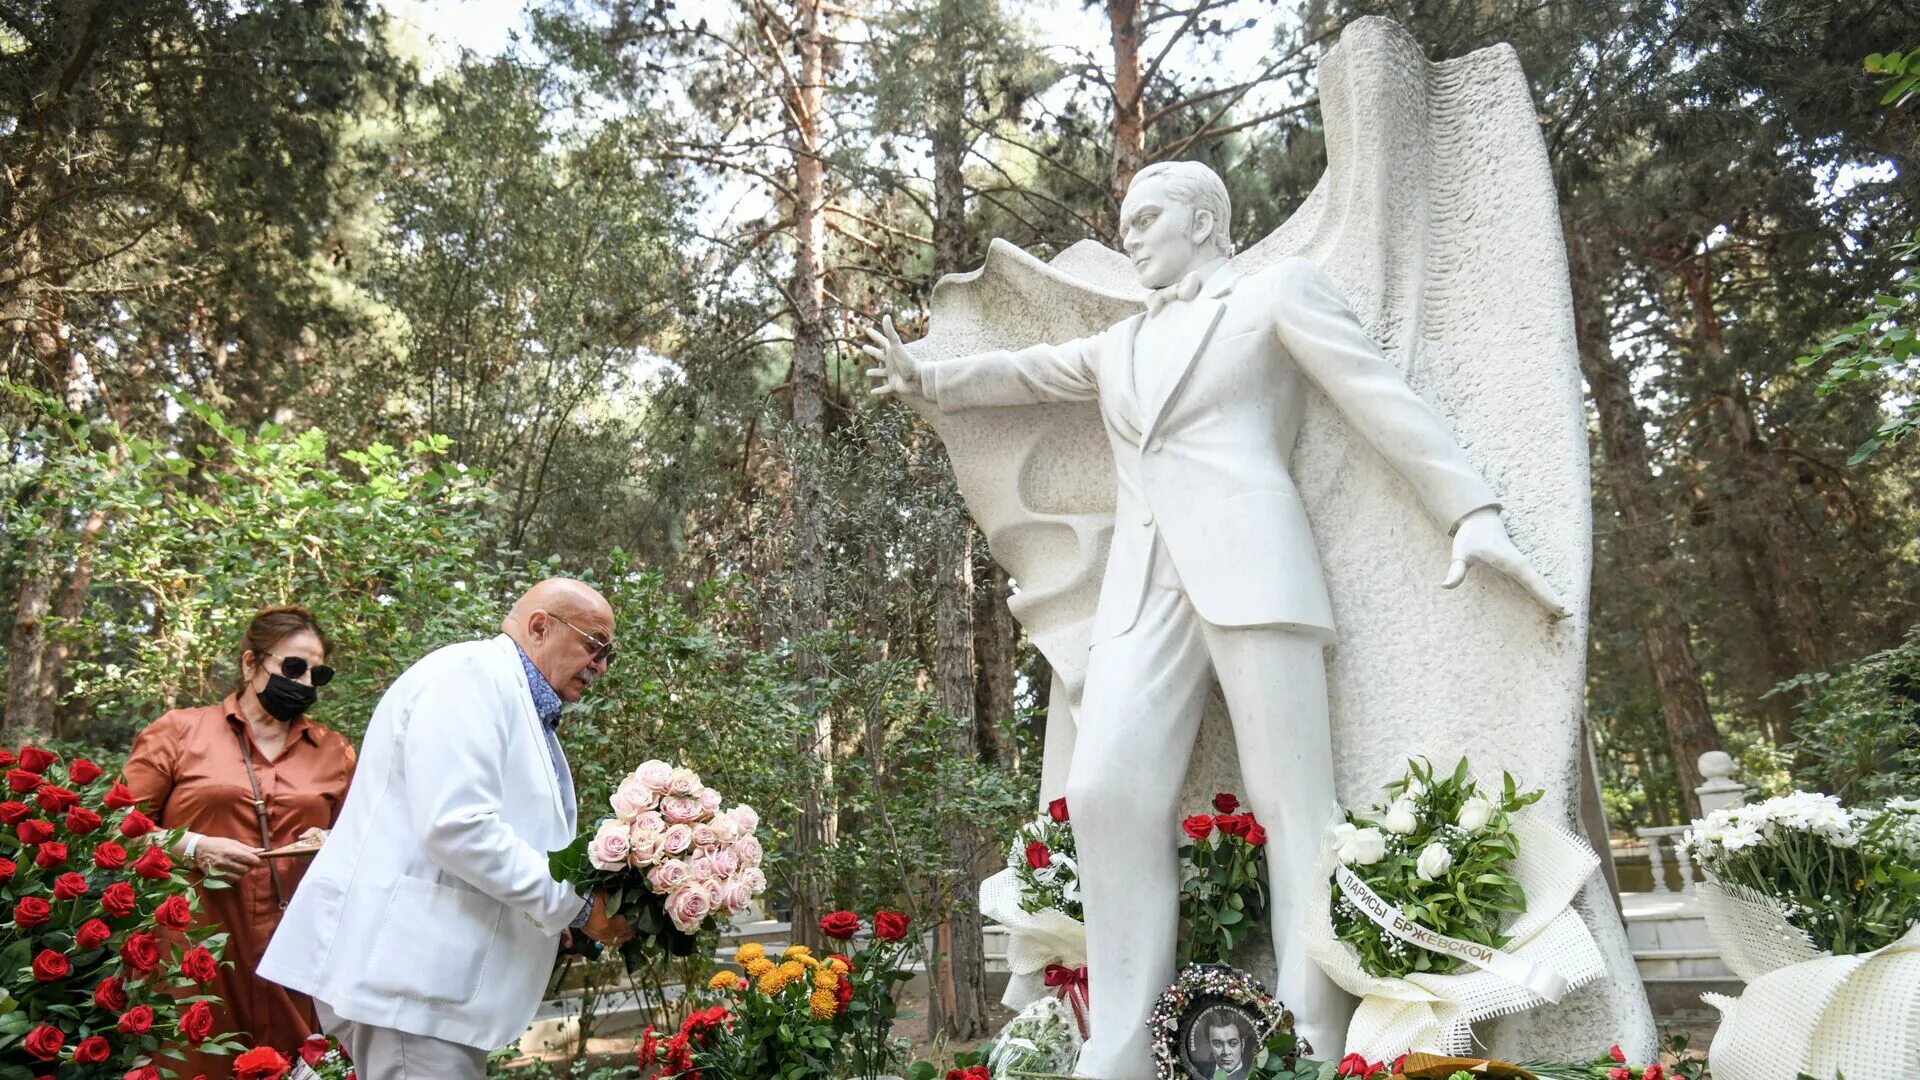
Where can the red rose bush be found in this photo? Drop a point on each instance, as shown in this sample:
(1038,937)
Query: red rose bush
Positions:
(100,965)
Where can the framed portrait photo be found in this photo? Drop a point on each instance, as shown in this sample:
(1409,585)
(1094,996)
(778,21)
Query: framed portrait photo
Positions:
(1219,1023)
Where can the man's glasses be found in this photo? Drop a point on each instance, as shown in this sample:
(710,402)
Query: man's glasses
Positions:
(602,650)
(293,667)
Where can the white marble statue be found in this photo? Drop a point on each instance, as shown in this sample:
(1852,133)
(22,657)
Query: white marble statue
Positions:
(1194,447)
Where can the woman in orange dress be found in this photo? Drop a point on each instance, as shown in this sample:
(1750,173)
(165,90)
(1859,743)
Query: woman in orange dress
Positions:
(199,769)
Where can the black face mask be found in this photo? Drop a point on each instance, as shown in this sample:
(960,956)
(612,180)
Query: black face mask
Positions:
(286,700)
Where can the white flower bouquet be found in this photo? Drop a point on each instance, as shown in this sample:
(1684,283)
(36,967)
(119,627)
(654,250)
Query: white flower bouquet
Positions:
(1037,899)
(670,858)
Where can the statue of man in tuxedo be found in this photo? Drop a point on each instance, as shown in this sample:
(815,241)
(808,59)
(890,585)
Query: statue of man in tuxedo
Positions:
(1212,574)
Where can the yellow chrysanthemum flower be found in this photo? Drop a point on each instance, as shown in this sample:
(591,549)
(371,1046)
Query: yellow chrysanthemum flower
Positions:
(749,952)
(793,969)
(837,965)
(812,964)
(824,1004)
(773,982)
(758,967)
(724,980)
(794,951)
(826,978)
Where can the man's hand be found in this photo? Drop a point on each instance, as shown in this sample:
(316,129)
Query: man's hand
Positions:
(899,372)
(1481,538)
(612,932)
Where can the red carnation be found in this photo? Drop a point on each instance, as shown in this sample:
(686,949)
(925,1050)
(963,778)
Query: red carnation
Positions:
(82,771)
(91,1051)
(51,854)
(22,781)
(111,994)
(1038,856)
(153,863)
(35,760)
(7,869)
(118,899)
(1616,1053)
(31,911)
(197,1023)
(1199,826)
(840,925)
(82,820)
(199,965)
(109,856)
(314,1049)
(1619,1072)
(119,797)
(174,912)
(45,1041)
(141,953)
(50,966)
(1225,803)
(55,799)
(1654,1072)
(260,1063)
(92,934)
(136,824)
(69,886)
(34,832)
(1057,810)
(13,811)
(890,925)
(136,1021)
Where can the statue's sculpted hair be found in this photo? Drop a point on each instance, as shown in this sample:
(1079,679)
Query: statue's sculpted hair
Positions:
(1199,188)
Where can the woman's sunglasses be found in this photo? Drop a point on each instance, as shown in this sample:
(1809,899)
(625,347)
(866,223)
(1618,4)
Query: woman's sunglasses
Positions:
(293,667)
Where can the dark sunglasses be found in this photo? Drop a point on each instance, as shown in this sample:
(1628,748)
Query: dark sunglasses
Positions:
(293,667)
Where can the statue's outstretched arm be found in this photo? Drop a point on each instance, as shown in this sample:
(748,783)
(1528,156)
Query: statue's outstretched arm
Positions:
(1030,376)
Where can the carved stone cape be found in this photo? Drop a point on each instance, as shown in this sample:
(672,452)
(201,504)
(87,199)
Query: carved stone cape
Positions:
(1438,218)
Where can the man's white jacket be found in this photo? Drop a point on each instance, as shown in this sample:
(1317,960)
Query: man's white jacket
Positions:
(430,909)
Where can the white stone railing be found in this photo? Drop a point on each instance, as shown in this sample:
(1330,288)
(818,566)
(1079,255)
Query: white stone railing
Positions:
(1659,839)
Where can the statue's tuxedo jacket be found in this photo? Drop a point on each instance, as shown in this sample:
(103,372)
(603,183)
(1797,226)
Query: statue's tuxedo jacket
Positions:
(1202,462)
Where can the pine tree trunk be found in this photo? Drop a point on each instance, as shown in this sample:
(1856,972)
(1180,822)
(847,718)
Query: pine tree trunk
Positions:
(1129,98)
(71,606)
(996,643)
(1629,480)
(29,712)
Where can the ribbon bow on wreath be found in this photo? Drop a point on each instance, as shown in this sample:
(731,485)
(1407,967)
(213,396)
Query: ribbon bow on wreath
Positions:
(1070,985)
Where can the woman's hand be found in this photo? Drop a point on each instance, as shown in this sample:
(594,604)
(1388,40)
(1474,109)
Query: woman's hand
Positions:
(225,858)
(313,837)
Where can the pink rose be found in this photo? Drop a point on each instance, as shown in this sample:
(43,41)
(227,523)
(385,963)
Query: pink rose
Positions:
(654,776)
(632,799)
(650,820)
(754,878)
(668,876)
(683,782)
(681,809)
(700,868)
(705,837)
(688,908)
(749,851)
(709,800)
(608,848)
(724,830)
(725,863)
(735,895)
(644,846)
(746,817)
(678,838)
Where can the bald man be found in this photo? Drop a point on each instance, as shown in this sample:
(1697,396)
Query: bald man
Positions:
(427,926)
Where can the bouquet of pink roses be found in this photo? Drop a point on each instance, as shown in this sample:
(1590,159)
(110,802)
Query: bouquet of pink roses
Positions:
(670,859)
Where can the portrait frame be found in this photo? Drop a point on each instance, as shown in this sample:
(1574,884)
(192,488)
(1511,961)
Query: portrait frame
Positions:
(1182,1047)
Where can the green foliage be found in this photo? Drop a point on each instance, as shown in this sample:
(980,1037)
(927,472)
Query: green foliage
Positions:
(1858,727)
(1880,348)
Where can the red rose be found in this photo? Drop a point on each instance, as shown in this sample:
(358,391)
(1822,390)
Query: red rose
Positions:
(840,925)
(1057,810)
(69,886)
(1256,835)
(7,760)
(110,995)
(890,925)
(1038,856)
(1355,1065)
(136,1021)
(35,760)
(7,869)
(1199,826)
(118,899)
(92,934)
(55,799)
(197,1023)
(119,797)
(199,965)
(314,1049)
(144,1072)
(1235,824)
(843,991)
(45,1041)
(51,854)
(1616,1053)
(1225,803)
(34,832)
(50,966)
(20,780)
(260,1063)
(109,856)
(153,863)
(31,911)
(140,952)
(82,820)
(174,912)
(83,771)
(13,811)
(91,1051)
(136,824)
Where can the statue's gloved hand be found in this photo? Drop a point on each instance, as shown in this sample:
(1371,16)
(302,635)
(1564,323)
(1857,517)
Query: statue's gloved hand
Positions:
(1482,538)
(899,372)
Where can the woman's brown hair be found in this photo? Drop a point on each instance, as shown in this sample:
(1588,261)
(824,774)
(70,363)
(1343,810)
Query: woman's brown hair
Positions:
(271,626)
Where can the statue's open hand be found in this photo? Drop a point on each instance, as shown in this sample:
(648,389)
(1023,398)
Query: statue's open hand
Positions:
(1481,538)
(899,372)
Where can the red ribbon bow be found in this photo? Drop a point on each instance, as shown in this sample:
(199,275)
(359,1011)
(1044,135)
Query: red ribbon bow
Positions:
(1070,984)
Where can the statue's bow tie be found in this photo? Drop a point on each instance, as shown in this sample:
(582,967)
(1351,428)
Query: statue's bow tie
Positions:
(1186,289)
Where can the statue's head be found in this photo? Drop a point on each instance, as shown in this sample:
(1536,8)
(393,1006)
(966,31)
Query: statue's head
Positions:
(1173,221)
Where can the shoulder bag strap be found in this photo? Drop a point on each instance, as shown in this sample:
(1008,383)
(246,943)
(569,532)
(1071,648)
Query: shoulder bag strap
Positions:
(260,815)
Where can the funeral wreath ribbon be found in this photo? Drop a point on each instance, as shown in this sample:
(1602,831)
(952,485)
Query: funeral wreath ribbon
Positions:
(1536,978)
